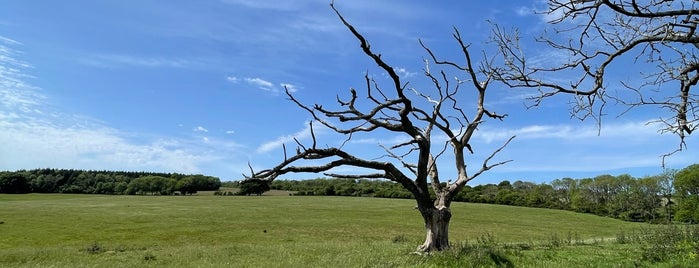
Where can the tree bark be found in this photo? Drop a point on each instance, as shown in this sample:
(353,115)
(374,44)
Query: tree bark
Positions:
(437,229)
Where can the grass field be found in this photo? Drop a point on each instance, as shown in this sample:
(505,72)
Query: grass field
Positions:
(57,230)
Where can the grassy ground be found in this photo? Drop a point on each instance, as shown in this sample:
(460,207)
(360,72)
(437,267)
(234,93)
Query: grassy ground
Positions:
(41,230)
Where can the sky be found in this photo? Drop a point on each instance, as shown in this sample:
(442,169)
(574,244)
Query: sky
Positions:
(198,87)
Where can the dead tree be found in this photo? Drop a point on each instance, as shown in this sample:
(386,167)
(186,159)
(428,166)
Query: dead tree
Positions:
(594,37)
(425,120)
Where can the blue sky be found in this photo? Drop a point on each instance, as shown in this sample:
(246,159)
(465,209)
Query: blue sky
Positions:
(197,86)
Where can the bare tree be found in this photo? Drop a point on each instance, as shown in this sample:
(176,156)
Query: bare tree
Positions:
(594,35)
(432,124)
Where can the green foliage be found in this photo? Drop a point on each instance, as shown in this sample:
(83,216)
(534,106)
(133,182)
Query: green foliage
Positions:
(343,187)
(688,209)
(103,182)
(485,252)
(14,183)
(687,181)
(648,199)
(687,187)
(622,197)
(670,242)
(253,186)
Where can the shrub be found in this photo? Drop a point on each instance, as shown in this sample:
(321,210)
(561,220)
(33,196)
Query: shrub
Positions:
(399,239)
(486,252)
(253,186)
(670,242)
(149,257)
(94,248)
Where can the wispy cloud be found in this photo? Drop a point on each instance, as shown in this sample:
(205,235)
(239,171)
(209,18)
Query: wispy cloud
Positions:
(32,140)
(525,11)
(9,41)
(639,129)
(15,93)
(290,87)
(117,60)
(382,141)
(577,148)
(404,72)
(288,5)
(539,8)
(34,133)
(263,84)
(277,143)
(200,129)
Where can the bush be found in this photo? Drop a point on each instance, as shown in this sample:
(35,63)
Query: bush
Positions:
(670,242)
(253,186)
(486,252)
(94,248)
(399,239)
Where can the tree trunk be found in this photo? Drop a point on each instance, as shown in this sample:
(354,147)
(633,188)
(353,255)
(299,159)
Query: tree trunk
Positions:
(437,228)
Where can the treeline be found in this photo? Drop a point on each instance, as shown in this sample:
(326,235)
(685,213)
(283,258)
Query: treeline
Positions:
(103,182)
(343,187)
(661,198)
(623,197)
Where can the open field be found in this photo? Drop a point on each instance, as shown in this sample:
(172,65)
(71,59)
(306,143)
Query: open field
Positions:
(58,230)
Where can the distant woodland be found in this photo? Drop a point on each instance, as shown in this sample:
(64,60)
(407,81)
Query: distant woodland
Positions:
(104,182)
(671,196)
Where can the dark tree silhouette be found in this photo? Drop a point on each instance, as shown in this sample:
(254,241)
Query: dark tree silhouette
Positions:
(424,119)
(593,37)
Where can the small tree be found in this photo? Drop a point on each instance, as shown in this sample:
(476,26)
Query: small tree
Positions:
(667,190)
(186,185)
(687,188)
(253,186)
(422,118)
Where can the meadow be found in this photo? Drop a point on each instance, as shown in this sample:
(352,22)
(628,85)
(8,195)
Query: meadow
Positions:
(63,230)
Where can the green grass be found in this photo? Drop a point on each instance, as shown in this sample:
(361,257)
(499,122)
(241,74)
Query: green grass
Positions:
(42,230)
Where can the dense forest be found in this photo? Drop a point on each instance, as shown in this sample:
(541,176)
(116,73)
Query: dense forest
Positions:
(103,182)
(673,195)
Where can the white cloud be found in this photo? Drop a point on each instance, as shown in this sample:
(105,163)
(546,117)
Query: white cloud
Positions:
(398,139)
(34,134)
(404,72)
(541,9)
(35,143)
(525,11)
(230,131)
(634,130)
(116,61)
(290,87)
(9,41)
(200,129)
(277,143)
(578,148)
(272,5)
(261,83)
